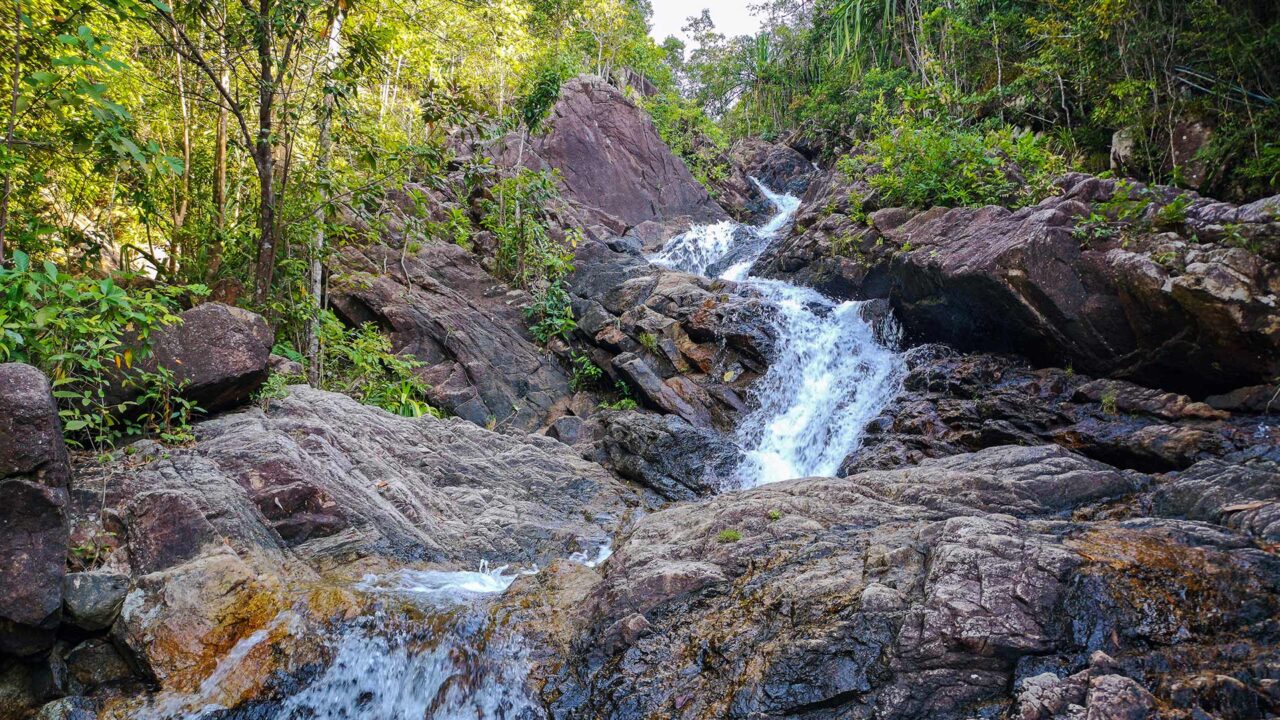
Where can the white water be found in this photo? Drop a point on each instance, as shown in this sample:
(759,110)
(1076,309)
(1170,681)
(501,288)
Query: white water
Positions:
(830,376)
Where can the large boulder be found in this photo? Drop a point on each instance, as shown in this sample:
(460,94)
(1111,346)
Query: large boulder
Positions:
(667,454)
(468,329)
(612,162)
(34,479)
(219,354)
(1113,279)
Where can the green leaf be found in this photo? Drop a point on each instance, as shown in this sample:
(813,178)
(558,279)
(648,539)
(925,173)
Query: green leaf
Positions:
(73,425)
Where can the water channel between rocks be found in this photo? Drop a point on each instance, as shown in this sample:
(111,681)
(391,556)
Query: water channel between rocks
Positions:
(830,375)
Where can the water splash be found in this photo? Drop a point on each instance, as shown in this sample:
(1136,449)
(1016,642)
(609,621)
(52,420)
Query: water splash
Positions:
(441,587)
(382,669)
(829,376)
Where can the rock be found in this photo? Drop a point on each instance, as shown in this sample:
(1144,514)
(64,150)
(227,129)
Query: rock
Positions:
(953,403)
(849,598)
(1157,309)
(34,477)
(92,600)
(1262,399)
(367,483)
(219,352)
(1189,138)
(17,699)
(68,708)
(95,662)
(778,167)
(284,366)
(468,329)
(612,161)
(685,344)
(1245,498)
(668,455)
(1115,697)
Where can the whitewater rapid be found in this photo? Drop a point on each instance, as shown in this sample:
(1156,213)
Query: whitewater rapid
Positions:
(830,375)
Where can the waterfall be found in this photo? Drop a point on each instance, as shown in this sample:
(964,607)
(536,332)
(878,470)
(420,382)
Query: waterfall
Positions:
(829,376)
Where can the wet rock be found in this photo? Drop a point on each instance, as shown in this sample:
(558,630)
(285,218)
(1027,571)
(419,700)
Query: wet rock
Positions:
(92,600)
(667,454)
(1243,497)
(687,345)
(862,597)
(777,166)
(34,476)
(468,329)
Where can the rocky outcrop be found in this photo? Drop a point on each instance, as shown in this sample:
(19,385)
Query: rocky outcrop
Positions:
(34,478)
(224,544)
(468,329)
(777,166)
(1104,277)
(687,345)
(953,590)
(954,403)
(612,164)
(667,455)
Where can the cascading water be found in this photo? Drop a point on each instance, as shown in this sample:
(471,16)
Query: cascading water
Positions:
(830,375)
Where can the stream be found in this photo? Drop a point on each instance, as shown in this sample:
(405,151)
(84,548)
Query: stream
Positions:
(448,659)
(831,375)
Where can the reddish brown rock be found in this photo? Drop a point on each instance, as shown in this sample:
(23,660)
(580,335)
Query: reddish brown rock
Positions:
(34,478)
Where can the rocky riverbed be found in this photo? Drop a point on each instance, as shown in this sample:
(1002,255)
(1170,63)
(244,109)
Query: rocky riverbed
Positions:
(1043,472)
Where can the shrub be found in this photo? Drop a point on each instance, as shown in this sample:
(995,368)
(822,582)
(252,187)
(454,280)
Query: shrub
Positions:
(359,362)
(728,536)
(551,314)
(692,136)
(518,217)
(586,374)
(924,163)
(87,334)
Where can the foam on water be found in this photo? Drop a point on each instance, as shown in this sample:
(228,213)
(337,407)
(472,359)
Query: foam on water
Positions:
(829,376)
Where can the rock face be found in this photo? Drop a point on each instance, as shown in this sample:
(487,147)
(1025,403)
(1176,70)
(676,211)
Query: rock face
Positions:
(613,164)
(953,403)
(1102,277)
(667,455)
(34,478)
(225,541)
(953,590)
(780,168)
(470,331)
(220,352)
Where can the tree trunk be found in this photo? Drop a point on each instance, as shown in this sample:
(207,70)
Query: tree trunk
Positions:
(322,168)
(264,159)
(16,79)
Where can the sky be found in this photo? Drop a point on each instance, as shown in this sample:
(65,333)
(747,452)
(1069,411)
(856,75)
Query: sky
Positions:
(730,16)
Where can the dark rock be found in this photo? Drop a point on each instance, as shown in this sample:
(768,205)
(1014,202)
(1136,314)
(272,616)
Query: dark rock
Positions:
(284,366)
(218,352)
(568,429)
(778,167)
(1245,498)
(1156,309)
(668,455)
(68,708)
(468,329)
(92,600)
(95,662)
(34,478)
(1262,399)
(953,403)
